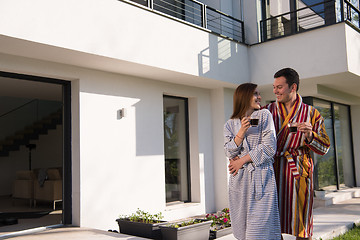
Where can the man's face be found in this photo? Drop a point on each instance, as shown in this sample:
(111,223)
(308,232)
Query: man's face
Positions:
(282,91)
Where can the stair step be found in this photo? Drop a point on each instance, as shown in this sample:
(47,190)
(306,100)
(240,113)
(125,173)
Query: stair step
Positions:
(334,197)
(38,125)
(27,130)
(6,142)
(4,153)
(45,121)
(31,132)
(15,137)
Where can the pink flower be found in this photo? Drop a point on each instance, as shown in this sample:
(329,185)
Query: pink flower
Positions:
(225,220)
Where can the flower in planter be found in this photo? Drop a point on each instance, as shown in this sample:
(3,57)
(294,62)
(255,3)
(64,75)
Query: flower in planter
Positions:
(191,229)
(185,223)
(220,219)
(141,224)
(144,217)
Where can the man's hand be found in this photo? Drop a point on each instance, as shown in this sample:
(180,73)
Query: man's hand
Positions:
(306,128)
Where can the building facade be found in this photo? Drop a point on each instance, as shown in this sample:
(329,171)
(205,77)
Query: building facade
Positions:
(146,86)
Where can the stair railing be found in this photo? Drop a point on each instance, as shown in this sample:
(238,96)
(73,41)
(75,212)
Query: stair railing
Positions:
(25,115)
(18,118)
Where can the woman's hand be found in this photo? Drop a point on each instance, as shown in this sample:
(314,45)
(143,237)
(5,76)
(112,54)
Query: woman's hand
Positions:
(245,125)
(235,164)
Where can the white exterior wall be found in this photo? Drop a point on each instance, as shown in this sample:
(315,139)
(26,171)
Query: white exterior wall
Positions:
(120,56)
(118,164)
(222,102)
(118,30)
(355,118)
(128,153)
(220,165)
(252,16)
(315,53)
(353,49)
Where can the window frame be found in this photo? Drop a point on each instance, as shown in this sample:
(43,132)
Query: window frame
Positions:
(187,145)
(310,100)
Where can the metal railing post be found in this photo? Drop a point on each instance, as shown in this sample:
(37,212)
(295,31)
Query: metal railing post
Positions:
(342,10)
(242,31)
(293,17)
(150,4)
(263,30)
(204,20)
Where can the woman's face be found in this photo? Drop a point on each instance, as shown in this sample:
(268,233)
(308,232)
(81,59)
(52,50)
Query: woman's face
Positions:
(255,100)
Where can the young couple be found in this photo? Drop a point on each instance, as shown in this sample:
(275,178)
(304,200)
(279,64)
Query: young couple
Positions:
(271,170)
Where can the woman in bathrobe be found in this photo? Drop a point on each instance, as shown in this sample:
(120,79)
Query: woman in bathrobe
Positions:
(252,188)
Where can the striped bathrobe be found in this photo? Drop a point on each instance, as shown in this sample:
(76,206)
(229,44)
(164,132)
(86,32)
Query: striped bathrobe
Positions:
(253,199)
(294,167)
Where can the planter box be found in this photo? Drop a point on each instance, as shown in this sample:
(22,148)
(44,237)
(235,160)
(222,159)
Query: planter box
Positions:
(220,233)
(198,231)
(146,230)
(320,194)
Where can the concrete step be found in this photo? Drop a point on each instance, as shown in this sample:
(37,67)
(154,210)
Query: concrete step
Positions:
(334,197)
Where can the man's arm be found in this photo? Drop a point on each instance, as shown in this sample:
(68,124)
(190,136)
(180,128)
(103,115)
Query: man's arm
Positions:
(317,140)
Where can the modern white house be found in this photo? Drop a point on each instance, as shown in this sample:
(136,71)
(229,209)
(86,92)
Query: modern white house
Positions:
(144,88)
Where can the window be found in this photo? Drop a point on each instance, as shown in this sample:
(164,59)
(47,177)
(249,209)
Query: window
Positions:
(176,148)
(335,169)
(325,168)
(343,145)
(286,17)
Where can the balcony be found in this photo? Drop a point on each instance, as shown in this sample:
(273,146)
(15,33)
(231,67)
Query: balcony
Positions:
(199,14)
(310,17)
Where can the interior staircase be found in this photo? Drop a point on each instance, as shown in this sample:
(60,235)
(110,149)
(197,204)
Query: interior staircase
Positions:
(32,132)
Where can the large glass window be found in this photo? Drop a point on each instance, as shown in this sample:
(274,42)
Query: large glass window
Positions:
(335,169)
(343,145)
(325,169)
(177,174)
(286,17)
(277,25)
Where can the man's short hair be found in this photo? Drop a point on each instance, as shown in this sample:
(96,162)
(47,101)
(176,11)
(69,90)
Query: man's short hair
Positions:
(290,75)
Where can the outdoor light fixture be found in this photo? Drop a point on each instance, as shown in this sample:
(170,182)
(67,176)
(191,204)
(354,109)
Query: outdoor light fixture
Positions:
(121,113)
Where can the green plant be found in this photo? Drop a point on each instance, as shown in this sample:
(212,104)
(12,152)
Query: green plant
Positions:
(142,216)
(352,234)
(220,219)
(185,223)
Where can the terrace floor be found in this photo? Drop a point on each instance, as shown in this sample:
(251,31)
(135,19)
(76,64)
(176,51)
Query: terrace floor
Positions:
(330,220)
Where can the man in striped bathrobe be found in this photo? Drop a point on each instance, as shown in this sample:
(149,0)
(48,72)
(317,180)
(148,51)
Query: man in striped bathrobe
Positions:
(293,164)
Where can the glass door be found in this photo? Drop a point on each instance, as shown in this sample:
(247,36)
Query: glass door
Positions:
(343,146)
(325,166)
(334,170)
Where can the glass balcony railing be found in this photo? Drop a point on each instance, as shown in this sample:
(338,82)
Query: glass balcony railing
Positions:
(310,17)
(200,15)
